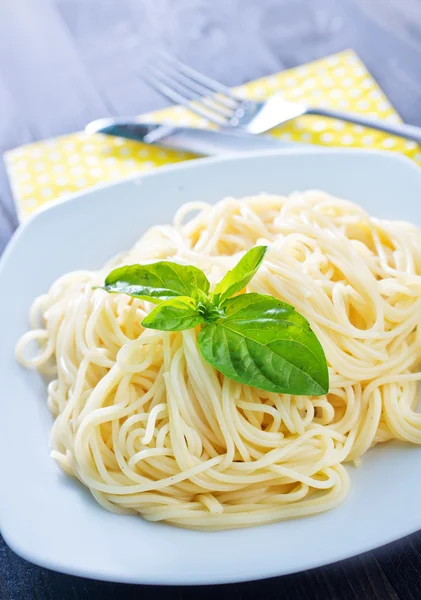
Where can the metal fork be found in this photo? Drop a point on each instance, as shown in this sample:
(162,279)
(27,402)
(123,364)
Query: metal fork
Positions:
(219,105)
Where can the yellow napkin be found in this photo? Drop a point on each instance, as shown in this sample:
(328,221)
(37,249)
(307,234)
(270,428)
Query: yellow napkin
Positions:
(47,170)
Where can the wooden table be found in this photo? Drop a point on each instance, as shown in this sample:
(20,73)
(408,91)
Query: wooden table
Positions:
(65,62)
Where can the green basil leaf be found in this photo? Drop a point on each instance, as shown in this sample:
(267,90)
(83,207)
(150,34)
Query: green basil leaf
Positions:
(157,281)
(263,342)
(236,279)
(174,315)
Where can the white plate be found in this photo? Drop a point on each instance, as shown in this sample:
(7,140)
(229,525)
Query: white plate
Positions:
(51,519)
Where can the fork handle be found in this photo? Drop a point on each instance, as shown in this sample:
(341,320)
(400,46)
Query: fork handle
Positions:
(410,132)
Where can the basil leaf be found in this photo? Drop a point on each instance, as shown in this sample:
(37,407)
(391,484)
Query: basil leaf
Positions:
(236,279)
(174,315)
(265,343)
(158,281)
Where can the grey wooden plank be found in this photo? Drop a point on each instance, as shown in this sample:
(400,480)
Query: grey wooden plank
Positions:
(389,42)
(13,132)
(401,563)
(13,129)
(358,578)
(349,580)
(114,47)
(8,217)
(51,89)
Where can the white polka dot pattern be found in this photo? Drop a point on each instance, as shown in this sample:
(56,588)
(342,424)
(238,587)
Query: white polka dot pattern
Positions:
(45,171)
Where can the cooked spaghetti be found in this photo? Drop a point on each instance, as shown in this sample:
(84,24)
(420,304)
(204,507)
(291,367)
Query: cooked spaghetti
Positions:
(150,427)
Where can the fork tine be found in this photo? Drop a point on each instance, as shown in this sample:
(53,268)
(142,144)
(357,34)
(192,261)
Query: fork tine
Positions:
(194,80)
(208,82)
(160,85)
(211,110)
(191,90)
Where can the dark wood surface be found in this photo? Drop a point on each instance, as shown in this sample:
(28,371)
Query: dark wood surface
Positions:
(65,62)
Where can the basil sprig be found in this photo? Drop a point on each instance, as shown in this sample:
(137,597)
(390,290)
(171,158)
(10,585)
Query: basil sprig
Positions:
(251,338)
